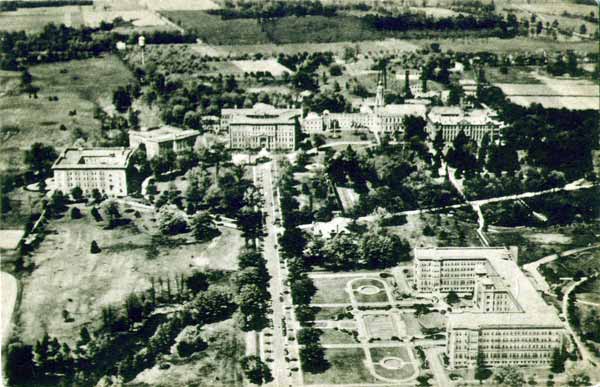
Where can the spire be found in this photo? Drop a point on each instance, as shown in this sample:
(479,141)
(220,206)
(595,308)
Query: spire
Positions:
(379,100)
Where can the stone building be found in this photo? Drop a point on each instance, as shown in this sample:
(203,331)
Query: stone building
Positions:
(263,126)
(451,120)
(509,322)
(157,141)
(104,169)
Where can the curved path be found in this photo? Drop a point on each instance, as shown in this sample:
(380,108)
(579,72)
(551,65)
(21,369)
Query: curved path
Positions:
(8,296)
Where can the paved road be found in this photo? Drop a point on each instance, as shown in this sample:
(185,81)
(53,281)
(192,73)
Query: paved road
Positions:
(585,353)
(436,366)
(8,296)
(533,267)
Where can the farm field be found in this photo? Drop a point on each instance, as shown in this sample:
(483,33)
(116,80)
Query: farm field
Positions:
(82,283)
(79,85)
(192,5)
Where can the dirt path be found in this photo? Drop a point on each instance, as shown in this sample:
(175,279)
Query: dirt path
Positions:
(8,295)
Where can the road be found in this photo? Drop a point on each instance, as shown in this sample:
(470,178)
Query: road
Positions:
(280,346)
(586,356)
(8,295)
(439,372)
(533,267)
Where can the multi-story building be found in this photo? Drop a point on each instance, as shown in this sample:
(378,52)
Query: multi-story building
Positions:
(263,126)
(475,123)
(158,141)
(509,322)
(379,117)
(104,169)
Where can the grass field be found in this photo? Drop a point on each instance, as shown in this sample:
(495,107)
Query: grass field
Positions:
(68,277)
(412,324)
(346,366)
(329,313)
(381,296)
(405,371)
(181,4)
(335,336)
(380,326)
(330,291)
(79,85)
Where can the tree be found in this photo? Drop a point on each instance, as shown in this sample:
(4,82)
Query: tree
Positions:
(255,370)
(197,281)
(122,99)
(94,249)
(171,221)
(303,289)
(96,195)
(578,380)
(313,359)
(19,363)
(203,227)
(481,372)
(341,252)
(58,201)
(191,342)
(423,380)
(40,158)
(452,297)
(75,213)
(509,376)
(250,222)
(77,194)
(557,362)
(309,335)
(251,300)
(583,29)
(380,249)
(111,209)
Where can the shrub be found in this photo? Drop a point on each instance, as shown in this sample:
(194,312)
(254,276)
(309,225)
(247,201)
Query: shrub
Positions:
(75,213)
(94,249)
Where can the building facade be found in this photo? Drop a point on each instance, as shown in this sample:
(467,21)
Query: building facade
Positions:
(104,169)
(158,141)
(508,324)
(263,127)
(451,120)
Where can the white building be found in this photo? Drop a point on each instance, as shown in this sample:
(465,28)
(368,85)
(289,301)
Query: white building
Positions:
(475,123)
(509,323)
(104,169)
(157,141)
(263,126)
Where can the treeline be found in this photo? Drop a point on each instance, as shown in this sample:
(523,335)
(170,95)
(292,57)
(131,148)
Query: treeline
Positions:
(61,43)
(273,9)
(410,21)
(14,5)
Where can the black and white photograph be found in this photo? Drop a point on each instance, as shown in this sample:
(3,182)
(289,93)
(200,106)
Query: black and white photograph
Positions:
(300,193)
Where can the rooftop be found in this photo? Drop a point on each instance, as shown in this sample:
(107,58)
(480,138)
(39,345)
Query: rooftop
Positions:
(406,109)
(165,133)
(262,114)
(453,115)
(9,239)
(503,271)
(93,158)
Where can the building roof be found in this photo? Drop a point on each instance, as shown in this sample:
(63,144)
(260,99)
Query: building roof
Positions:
(505,274)
(454,115)
(263,114)
(93,158)
(407,109)
(9,239)
(165,133)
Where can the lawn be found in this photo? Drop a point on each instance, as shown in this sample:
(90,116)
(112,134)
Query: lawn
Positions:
(406,369)
(345,366)
(326,313)
(413,328)
(34,19)
(377,354)
(381,296)
(336,336)
(380,326)
(68,277)
(79,85)
(330,291)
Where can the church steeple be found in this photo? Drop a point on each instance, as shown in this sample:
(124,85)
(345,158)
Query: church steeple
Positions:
(379,100)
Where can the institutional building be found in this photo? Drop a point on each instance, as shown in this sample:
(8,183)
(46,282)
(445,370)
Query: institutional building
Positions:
(158,141)
(104,169)
(263,126)
(509,322)
(379,117)
(451,120)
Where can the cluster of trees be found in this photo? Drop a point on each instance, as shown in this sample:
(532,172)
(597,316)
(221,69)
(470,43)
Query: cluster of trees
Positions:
(564,64)
(407,21)
(104,352)
(13,5)
(251,282)
(273,9)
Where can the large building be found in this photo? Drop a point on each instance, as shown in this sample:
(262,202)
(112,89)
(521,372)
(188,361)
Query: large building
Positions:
(378,117)
(475,123)
(158,141)
(104,169)
(263,126)
(509,322)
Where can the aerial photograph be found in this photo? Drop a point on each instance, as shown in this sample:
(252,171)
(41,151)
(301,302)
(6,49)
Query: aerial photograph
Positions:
(299,193)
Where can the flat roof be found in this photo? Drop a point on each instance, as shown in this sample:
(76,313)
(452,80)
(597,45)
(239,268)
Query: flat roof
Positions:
(452,115)
(403,109)
(505,274)
(165,133)
(93,158)
(9,239)
(283,117)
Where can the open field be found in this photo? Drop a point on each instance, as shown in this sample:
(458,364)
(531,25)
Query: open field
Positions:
(68,277)
(401,357)
(192,5)
(375,290)
(79,85)
(329,313)
(380,326)
(330,291)
(346,366)
(336,336)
